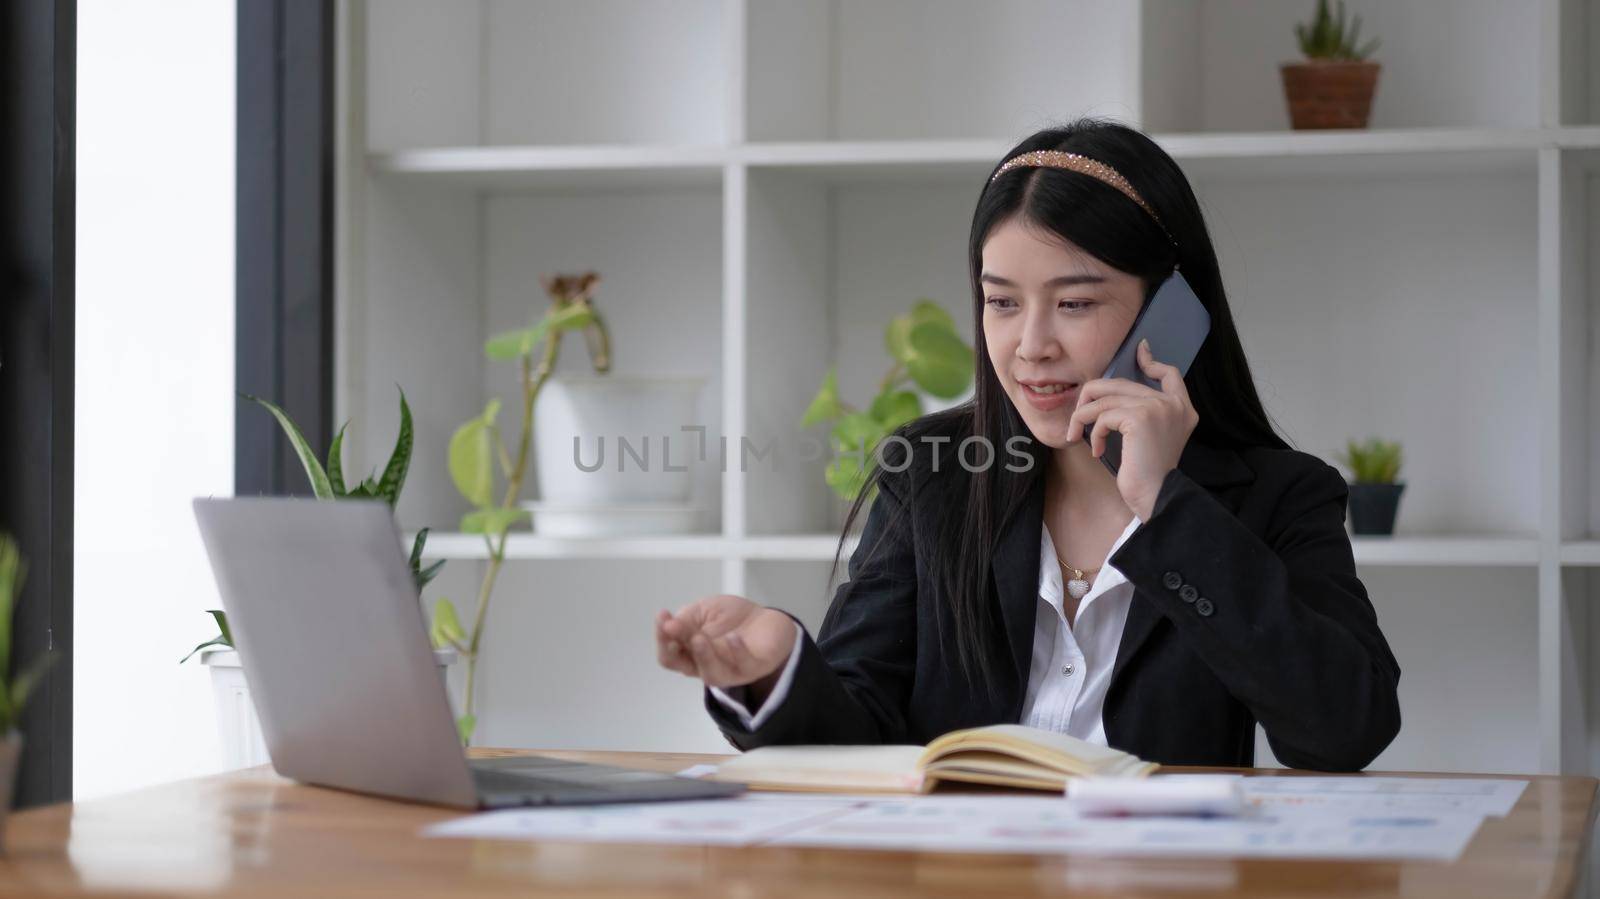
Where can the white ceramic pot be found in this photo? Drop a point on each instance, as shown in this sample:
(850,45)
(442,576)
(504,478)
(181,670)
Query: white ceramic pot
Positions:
(601,412)
(237,724)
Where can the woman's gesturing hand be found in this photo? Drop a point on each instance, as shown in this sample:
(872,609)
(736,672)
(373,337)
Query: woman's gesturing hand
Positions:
(1155,426)
(726,641)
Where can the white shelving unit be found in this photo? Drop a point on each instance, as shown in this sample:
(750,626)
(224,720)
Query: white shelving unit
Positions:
(763,183)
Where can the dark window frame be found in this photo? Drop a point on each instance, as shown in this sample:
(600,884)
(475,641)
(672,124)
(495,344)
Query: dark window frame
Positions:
(285,238)
(38,256)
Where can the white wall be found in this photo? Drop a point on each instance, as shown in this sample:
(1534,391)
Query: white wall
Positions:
(155,380)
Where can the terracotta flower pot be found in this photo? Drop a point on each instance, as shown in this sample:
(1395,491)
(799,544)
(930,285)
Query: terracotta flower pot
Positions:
(1329,93)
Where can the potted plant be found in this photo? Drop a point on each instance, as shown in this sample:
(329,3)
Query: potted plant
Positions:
(611,449)
(1333,87)
(929,358)
(237,724)
(477,451)
(1374,493)
(14,692)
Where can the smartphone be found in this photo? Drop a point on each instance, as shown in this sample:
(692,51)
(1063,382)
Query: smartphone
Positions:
(1176,324)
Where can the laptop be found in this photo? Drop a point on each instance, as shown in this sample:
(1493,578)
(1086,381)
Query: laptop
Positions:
(329,628)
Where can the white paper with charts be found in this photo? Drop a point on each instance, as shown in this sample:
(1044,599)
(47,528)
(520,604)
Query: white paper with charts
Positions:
(1291,817)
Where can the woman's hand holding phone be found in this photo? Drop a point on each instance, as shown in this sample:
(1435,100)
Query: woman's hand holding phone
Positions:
(1155,426)
(726,641)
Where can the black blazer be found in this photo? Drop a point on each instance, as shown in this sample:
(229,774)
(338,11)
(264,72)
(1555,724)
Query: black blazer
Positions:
(1246,608)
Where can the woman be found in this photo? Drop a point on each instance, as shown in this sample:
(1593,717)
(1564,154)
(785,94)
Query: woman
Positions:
(1219,589)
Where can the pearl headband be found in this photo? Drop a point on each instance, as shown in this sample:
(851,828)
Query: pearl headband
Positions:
(1094,168)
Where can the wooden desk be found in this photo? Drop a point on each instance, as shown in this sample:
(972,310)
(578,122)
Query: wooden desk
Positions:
(252,833)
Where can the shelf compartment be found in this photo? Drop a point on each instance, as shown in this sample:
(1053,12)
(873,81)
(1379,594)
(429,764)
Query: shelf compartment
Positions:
(1345,341)
(569,657)
(829,267)
(1572,93)
(446,269)
(1212,65)
(1322,286)
(509,72)
(917,69)
(1468,649)
(659,255)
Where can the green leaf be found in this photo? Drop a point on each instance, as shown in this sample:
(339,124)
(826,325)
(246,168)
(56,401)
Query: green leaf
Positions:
(509,345)
(845,475)
(319,478)
(416,548)
(394,474)
(446,629)
(22,686)
(1333,35)
(897,338)
(222,624)
(825,405)
(223,639)
(471,462)
(940,363)
(421,576)
(1372,462)
(427,574)
(13,572)
(465,725)
(336,462)
(568,317)
(857,434)
(491,520)
(926,311)
(214,641)
(895,408)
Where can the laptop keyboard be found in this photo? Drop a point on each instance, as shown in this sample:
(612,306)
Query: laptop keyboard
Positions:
(502,782)
(505,782)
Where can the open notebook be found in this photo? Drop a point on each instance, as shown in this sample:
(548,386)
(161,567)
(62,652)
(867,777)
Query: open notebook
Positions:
(1010,755)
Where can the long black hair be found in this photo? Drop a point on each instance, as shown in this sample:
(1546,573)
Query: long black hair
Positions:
(1109,226)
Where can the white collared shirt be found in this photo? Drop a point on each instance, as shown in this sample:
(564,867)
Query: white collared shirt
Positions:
(1071,666)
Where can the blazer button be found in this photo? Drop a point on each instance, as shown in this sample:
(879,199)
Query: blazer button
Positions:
(1172,580)
(1204,607)
(1188,593)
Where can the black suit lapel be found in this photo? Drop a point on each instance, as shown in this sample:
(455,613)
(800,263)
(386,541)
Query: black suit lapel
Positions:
(1016,565)
(1016,577)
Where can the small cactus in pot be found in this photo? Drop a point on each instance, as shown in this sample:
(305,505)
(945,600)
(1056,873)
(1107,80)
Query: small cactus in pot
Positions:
(1374,492)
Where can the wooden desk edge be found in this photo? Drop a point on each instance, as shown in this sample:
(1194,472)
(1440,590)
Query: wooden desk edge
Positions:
(672,762)
(61,849)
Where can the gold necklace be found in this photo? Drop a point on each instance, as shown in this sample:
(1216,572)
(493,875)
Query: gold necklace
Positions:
(1077,586)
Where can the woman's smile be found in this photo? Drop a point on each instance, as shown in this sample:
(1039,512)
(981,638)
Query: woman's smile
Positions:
(1058,395)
